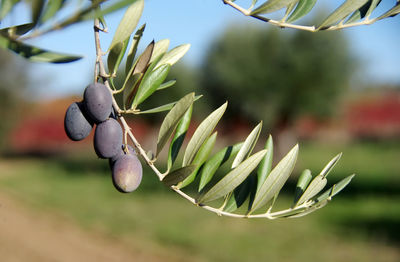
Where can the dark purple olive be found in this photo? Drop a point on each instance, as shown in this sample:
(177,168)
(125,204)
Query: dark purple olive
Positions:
(77,124)
(127,173)
(122,152)
(98,102)
(108,138)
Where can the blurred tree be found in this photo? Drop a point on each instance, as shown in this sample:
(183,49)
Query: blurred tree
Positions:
(276,76)
(14,79)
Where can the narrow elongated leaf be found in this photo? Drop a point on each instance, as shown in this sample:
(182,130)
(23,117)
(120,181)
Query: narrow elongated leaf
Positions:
(302,184)
(178,175)
(248,145)
(165,107)
(36,54)
(160,48)
(37,7)
(233,178)
(289,9)
(341,12)
(239,195)
(330,165)
(166,84)
(202,132)
(17,30)
(372,7)
(266,164)
(316,185)
(151,81)
(115,56)
(303,7)
(171,120)
(310,209)
(179,137)
(200,158)
(362,12)
(129,89)
(211,166)
(271,6)
(51,9)
(132,50)
(335,189)
(276,179)
(128,23)
(173,56)
(392,12)
(144,59)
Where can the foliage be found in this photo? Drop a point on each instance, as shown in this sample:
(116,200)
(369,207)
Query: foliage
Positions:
(350,13)
(145,74)
(280,76)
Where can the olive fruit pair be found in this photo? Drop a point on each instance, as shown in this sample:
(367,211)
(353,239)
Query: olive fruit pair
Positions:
(96,108)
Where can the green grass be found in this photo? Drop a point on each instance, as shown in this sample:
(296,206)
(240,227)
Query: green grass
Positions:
(354,227)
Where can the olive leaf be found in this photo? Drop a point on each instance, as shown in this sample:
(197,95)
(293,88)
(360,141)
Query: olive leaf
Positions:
(171,120)
(302,183)
(248,145)
(174,55)
(51,9)
(132,50)
(166,84)
(234,178)
(303,7)
(115,56)
(271,6)
(202,132)
(335,189)
(160,48)
(266,164)
(17,30)
(178,175)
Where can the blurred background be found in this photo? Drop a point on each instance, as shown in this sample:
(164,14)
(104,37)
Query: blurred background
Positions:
(330,91)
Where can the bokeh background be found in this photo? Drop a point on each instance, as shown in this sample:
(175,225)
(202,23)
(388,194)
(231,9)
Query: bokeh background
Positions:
(331,91)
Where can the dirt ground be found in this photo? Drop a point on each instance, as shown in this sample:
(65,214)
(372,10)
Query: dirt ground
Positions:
(29,236)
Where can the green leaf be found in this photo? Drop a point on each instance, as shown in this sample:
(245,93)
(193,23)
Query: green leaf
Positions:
(248,145)
(129,88)
(160,48)
(200,158)
(132,50)
(395,10)
(151,81)
(319,182)
(17,30)
(239,195)
(51,9)
(372,7)
(165,107)
(276,179)
(341,12)
(115,56)
(366,9)
(202,132)
(335,189)
(302,8)
(266,164)
(37,7)
(174,55)
(272,6)
(302,184)
(171,120)
(128,23)
(166,84)
(36,54)
(211,166)
(233,178)
(178,175)
(6,6)
(179,137)
(144,59)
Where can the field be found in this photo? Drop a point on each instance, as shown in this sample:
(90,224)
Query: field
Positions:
(362,224)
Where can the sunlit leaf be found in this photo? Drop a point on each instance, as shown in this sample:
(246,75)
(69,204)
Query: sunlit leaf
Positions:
(335,189)
(36,54)
(234,178)
(132,50)
(173,56)
(179,137)
(166,84)
(115,56)
(239,195)
(266,164)
(171,120)
(17,30)
(144,59)
(202,132)
(200,158)
(303,7)
(128,23)
(178,175)
(160,48)
(271,6)
(151,81)
(211,166)
(372,7)
(248,145)
(276,179)
(302,183)
(341,12)
(392,12)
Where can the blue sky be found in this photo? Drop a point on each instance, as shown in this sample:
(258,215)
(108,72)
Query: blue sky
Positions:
(197,22)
